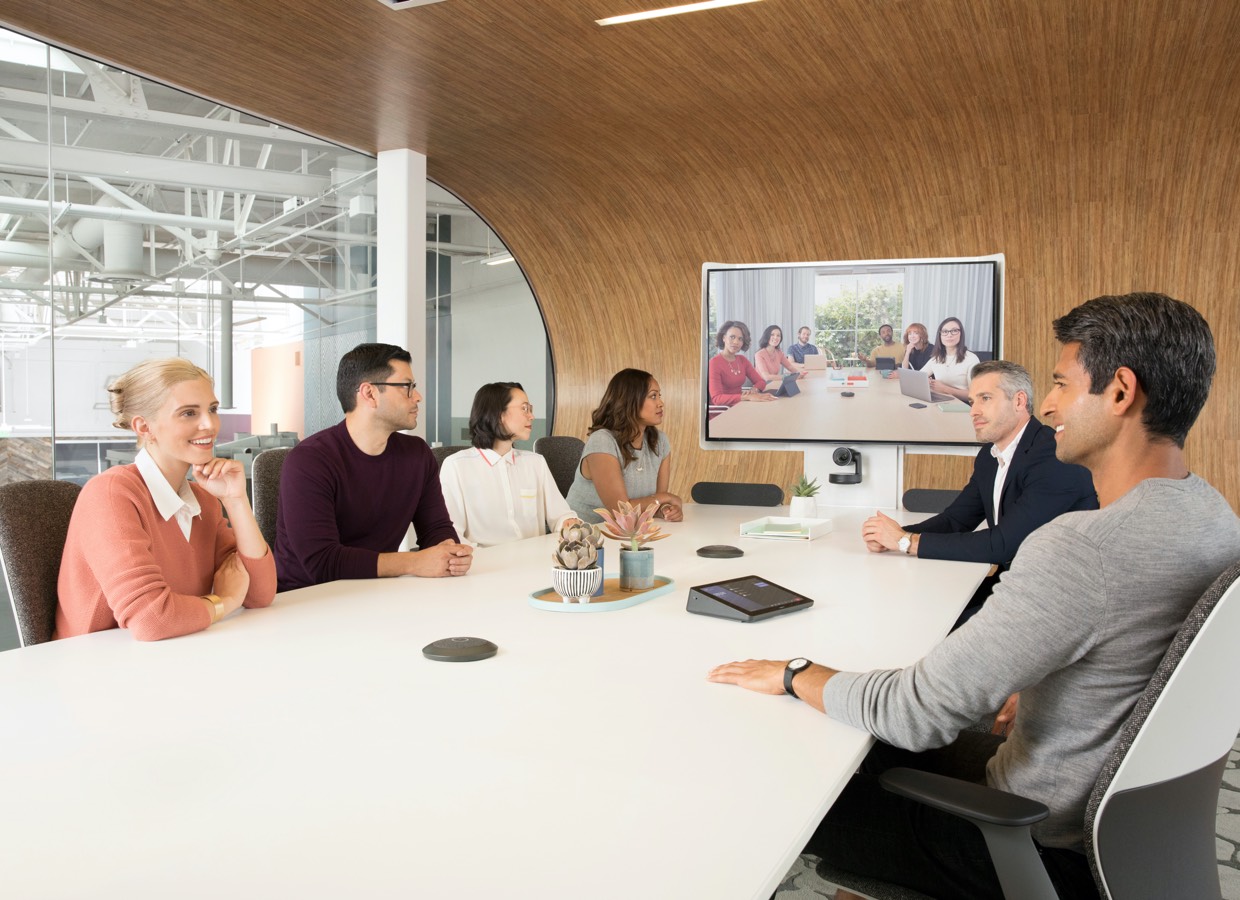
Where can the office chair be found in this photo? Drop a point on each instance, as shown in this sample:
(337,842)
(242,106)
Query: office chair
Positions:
(266,478)
(442,453)
(728,493)
(1150,820)
(927,500)
(563,455)
(34,519)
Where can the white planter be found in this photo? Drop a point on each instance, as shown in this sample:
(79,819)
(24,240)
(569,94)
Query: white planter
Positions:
(576,585)
(803,507)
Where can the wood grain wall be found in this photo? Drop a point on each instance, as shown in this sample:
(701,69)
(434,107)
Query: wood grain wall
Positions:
(1095,144)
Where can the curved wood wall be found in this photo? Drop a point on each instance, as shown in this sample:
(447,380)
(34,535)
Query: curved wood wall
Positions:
(1094,144)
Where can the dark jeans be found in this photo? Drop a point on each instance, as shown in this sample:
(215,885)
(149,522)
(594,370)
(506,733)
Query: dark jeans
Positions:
(873,832)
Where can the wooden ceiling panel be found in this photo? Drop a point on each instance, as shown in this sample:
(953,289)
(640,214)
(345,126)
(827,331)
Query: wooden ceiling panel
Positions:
(1095,144)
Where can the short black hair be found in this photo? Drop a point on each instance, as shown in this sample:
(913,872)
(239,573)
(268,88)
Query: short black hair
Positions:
(486,426)
(365,362)
(1165,342)
(726,327)
(766,336)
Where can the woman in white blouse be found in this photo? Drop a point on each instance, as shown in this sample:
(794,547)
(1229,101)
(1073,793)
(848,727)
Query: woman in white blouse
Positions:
(951,367)
(494,492)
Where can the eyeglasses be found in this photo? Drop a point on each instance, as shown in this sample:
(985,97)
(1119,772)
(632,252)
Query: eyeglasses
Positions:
(950,331)
(526,408)
(407,385)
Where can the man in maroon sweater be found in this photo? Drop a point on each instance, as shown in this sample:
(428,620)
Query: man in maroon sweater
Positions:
(349,493)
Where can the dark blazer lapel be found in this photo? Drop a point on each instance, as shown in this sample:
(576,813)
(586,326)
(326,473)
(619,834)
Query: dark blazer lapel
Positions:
(1019,458)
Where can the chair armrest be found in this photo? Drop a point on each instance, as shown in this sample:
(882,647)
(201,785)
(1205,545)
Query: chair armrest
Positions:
(962,798)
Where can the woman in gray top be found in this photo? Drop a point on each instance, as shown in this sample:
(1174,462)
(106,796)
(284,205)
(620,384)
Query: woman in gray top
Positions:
(626,457)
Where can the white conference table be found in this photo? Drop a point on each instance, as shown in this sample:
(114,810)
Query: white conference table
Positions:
(309,750)
(821,412)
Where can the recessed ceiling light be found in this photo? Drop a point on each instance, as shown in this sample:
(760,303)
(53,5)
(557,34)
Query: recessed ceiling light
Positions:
(671,11)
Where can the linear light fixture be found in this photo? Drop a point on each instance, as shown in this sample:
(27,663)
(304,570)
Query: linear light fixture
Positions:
(498,260)
(671,11)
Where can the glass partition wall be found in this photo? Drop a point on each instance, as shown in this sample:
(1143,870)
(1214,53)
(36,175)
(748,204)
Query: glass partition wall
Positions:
(139,221)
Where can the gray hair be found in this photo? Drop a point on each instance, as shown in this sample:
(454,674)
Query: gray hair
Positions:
(1013,378)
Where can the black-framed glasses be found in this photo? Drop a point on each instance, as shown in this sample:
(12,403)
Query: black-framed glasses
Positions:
(950,331)
(407,385)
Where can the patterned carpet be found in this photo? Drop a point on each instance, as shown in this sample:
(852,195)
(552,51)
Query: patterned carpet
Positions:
(802,883)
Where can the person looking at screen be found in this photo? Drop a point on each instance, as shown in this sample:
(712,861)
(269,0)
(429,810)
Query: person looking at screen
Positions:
(917,347)
(349,493)
(626,456)
(1017,485)
(1078,624)
(887,348)
(770,360)
(802,348)
(147,549)
(953,362)
(729,369)
(494,492)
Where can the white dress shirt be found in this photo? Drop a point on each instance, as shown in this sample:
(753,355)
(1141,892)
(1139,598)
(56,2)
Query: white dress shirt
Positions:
(182,504)
(494,499)
(1004,458)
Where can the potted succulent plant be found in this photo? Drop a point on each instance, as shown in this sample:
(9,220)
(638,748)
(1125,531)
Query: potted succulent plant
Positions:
(803,504)
(576,574)
(634,528)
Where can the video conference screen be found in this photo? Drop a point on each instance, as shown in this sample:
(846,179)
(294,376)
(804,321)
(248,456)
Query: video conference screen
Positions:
(880,351)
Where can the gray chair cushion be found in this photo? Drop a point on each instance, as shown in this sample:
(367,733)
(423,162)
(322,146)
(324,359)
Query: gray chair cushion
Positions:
(34,519)
(563,454)
(928,500)
(730,493)
(266,479)
(442,453)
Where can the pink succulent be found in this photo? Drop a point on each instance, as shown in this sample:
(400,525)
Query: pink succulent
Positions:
(631,523)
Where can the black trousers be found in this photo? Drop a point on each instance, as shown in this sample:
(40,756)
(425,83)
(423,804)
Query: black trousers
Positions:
(873,832)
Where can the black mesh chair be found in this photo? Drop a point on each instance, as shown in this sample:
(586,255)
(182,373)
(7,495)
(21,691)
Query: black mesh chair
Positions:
(266,482)
(34,519)
(1150,820)
(563,454)
(728,493)
(442,453)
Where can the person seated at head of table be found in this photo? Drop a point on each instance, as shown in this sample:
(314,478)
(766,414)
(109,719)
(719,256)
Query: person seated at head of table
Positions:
(917,347)
(149,550)
(951,369)
(494,492)
(802,348)
(349,493)
(626,456)
(888,348)
(770,360)
(729,369)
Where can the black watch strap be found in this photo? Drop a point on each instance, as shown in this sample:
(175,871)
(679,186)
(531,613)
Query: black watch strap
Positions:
(800,664)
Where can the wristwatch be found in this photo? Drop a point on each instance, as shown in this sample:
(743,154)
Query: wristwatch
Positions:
(905,543)
(800,664)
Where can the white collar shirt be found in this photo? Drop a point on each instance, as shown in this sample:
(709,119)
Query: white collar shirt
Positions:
(1004,459)
(181,505)
(495,499)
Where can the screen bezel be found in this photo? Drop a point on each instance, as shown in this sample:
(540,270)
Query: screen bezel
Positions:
(799,601)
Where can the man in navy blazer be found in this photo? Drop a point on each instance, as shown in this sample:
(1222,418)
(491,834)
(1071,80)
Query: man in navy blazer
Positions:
(1017,466)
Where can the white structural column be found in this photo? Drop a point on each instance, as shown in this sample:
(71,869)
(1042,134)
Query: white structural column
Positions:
(401,298)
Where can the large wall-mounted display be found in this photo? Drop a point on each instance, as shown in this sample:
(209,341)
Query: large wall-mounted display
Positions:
(845,352)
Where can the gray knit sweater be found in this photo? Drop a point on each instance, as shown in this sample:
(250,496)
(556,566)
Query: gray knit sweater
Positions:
(1077,626)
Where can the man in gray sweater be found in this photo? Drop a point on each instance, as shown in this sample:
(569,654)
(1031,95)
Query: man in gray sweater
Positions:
(1077,625)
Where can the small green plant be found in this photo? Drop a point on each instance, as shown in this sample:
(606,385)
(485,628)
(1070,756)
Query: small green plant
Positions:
(578,547)
(631,524)
(805,487)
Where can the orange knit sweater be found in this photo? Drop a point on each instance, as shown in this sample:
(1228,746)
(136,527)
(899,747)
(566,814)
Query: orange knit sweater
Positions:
(125,566)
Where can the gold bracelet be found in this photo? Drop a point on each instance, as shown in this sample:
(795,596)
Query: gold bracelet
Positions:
(218,605)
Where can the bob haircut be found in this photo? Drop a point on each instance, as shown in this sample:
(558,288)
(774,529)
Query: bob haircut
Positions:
(733,323)
(486,418)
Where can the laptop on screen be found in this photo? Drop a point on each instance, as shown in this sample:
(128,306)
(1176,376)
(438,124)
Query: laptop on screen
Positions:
(916,384)
(815,363)
(788,386)
(886,363)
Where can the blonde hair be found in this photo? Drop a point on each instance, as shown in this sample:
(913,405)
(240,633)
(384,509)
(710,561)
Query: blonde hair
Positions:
(141,390)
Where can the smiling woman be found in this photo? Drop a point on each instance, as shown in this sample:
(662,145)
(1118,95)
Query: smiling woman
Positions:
(147,550)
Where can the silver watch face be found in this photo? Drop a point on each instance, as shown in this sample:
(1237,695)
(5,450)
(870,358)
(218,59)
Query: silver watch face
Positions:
(798,664)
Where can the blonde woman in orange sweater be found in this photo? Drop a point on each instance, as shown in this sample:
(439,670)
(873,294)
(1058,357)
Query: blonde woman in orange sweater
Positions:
(148,550)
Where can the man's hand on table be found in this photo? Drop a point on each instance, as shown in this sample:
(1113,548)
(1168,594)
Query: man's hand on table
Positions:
(881,532)
(766,676)
(442,560)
